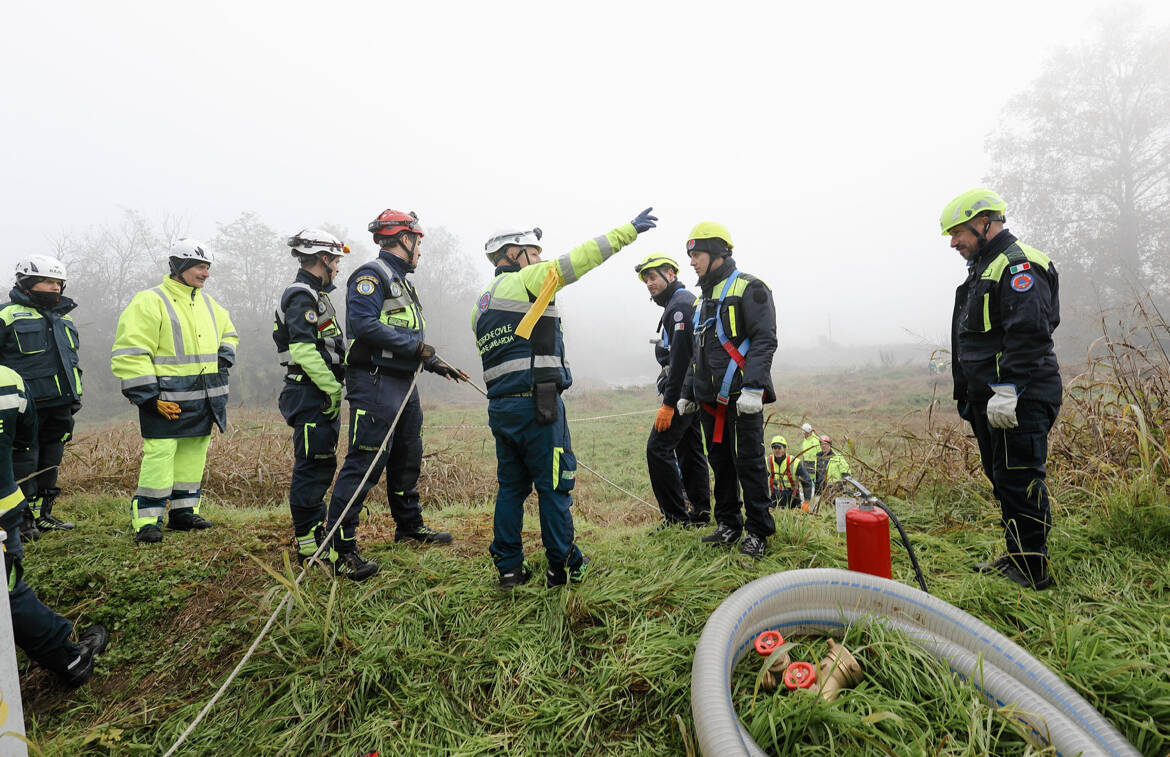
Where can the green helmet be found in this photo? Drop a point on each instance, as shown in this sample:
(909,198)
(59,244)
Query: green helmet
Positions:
(655,260)
(702,236)
(778,441)
(970,204)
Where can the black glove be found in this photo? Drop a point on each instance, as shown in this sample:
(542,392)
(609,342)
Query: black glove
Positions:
(425,353)
(964,408)
(224,365)
(438,367)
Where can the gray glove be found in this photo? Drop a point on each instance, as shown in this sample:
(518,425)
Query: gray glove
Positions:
(751,401)
(1001,408)
(686,407)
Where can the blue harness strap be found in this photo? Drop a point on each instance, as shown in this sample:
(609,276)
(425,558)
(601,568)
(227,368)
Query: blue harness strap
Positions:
(737,357)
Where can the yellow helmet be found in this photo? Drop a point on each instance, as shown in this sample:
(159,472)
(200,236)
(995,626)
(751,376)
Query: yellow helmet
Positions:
(779,440)
(655,260)
(970,204)
(700,238)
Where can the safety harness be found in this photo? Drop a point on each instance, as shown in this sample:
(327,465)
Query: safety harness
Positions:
(719,410)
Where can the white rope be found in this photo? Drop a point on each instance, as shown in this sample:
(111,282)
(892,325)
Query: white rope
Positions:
(288,594)
(611,483)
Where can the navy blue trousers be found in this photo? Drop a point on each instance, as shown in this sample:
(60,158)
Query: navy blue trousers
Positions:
(314,452)
(738,464)
(676,461)
(373,402)
(40,632)
(1014,462)
(529,455)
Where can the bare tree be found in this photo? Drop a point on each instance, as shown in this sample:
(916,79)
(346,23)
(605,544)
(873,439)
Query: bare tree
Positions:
(1083,157)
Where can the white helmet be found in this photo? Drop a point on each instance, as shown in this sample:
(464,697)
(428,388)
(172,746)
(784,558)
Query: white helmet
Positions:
(314,241)
(41,267)
(186,253)
(505,237)
(806,428)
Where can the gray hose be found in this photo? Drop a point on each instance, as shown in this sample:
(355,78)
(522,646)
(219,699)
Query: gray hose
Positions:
(827,600)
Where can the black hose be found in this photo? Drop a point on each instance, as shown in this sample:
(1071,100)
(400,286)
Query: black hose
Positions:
(869,497)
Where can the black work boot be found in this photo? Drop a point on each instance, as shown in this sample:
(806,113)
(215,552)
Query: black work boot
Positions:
(753,546)
(48,523)
(515,577)
(993,566)
(28,527)
(151,534)
(45,519)
(92,641)
(723,534)
(352,565)
(424,535)
(559,576)
(188,522)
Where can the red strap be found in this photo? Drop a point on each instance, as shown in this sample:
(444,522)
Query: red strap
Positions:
(719,410)
(734,353)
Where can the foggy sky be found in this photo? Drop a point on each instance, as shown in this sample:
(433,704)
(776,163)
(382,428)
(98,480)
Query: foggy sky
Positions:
(826,136)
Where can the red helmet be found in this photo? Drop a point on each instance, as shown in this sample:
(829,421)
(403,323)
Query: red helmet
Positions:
(393,222)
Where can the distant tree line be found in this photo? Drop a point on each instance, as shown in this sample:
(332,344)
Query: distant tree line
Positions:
(251,266)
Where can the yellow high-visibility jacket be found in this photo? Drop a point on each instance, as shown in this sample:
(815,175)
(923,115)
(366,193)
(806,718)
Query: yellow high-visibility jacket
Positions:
(171,344)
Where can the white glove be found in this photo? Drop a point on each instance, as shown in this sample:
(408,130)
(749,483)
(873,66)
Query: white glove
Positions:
(751,401)
(686,407)
(1001,408)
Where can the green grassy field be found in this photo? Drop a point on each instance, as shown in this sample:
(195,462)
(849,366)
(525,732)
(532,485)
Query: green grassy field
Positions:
(429,658)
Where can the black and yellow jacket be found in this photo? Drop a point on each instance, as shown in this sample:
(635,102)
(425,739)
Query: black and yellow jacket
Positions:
(41,344)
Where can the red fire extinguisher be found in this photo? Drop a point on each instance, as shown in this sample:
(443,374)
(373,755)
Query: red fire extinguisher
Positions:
(867,536)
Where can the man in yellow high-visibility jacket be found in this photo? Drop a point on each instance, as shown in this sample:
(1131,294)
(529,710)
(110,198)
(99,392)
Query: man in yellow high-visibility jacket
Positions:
(173,349)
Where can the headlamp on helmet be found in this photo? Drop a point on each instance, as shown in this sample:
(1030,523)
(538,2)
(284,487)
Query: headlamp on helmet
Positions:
(654,261)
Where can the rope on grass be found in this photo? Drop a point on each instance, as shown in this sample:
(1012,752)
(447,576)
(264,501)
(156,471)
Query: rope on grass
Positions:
(611,483)
(570,420)
(288,593)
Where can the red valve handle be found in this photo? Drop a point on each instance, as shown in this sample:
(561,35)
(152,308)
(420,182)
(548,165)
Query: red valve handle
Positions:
(767,642)
(800,675)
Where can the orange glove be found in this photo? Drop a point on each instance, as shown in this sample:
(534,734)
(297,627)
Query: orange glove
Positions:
(663,419)
(168,410)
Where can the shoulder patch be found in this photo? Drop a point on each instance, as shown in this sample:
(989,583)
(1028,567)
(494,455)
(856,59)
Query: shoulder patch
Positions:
(365,285)
(1021,267)
(1022,282)
(484,300)
(677,316)
(310,316)
(395,289)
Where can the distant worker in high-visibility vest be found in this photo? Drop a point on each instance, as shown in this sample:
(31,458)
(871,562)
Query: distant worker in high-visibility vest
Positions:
(518,334)
(789,482)
(735,339)
(311,346)
(674,451)
(384,319)
(173,349)
(831,465)
(39,340)
(40,632)
(806,449)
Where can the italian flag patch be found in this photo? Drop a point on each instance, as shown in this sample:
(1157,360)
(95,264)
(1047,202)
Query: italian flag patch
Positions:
(1021,267)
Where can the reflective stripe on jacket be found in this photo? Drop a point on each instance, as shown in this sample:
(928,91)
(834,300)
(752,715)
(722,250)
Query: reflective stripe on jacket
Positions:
(169,341)
(18,428)
(514,365)
(41,345)
(384,316)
